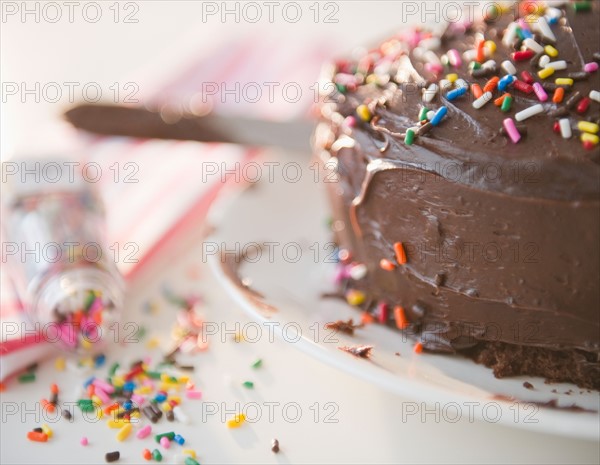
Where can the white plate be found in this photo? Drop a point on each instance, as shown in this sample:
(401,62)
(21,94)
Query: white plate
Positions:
(292,216)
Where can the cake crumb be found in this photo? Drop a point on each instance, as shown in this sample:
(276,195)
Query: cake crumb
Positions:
(275,445)
(358,351)
(528,385)
(346,327)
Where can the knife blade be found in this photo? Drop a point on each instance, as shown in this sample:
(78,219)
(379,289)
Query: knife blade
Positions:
(139,122)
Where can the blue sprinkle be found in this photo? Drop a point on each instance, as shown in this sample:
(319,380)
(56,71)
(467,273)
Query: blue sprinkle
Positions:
(553,21)
(505,82)
(454,94)
(89,381)
(439,115)
(99,360)
(129,386)
(160,398)
(526,34)
(128,405)
(179,439)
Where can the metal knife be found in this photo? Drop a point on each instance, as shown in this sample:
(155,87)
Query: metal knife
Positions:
(119,120)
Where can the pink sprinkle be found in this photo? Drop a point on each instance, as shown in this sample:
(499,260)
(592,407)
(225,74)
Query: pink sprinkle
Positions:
(103,385)
(350,121)
(511,130)
(434,68)
(193,394)
(84,441)
(383,312)
(102,395)
(454,58)
(139,400)
(540,92)
(164,441)
(144,432)
(591,67)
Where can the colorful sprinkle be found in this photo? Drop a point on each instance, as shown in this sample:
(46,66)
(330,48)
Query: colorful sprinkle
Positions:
(587,126)
(439,116)
(84,441)
(565,128)
(400,253)
(418,348)
(529,112)
(409,138)
(386,265)
(559,95)
(546,73)
(540,92)
(481,101)
(236,421)
(400,318)
(511,130)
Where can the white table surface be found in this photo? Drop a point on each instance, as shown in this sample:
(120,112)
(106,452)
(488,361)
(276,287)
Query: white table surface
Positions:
(369,427)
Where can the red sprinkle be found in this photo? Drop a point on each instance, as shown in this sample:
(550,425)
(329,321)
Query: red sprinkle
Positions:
(480,51)
(54,388)
(366,318)
(583,106)
(588,145)
(523,55)
(147,454)
(47,405)
(527,77)
(523,87)
(556,127)
(476,90)
(418,348)
(383,312)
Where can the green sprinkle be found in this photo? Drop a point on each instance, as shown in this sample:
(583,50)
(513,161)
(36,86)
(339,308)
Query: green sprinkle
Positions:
(169,435)
(474,65)
(113,369)
(190,461)
(86,405)
(153,374)
(89,300)
(582,6)
(27,378)
(140,333)
(506,103)
(520,33)
(410,137)
(156,455)
(248,384)
(423,113)
(341,88)
(257,363)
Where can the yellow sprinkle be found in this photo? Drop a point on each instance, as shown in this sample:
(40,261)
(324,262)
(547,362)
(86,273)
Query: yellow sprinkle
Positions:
(551,51)
(46,429)
(59,364)
(190,452)
(152,343)
(145,389)
(124,432)
(118,381)
(87,361)
(169,387)
(564,82)
(166,406)
(372,79)
(134,415)
(96,400)
(183,379)
(490,45)
(586,137)
(116,423)
(363,112)
(587,126)
(86,344)
(452,77)
(99,413)
(174,398)
(354,297)
(236,421)
(546,73)
(239,337)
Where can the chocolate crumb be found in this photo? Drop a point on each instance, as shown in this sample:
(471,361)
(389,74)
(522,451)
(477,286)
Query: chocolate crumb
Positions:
(397,354)
(358,351)
(528,385)
(275,445)
(346,327)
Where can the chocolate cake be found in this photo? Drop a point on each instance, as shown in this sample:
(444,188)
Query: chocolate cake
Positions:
(464,173)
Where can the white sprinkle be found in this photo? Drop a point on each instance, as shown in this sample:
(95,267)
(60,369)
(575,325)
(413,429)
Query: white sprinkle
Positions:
(509,67)
(432,43)
(358,272)
(489,64)
(180,416)
(544,61)
(553,13)
(556,65)
(470,55)
(595,95)
(556,3)
(430,115)
(430,92)
(461,83)
(431,57)
(445,85)
(565,128)
(544,28)
(481,101)
(529,112)
(510,34)
(533,45)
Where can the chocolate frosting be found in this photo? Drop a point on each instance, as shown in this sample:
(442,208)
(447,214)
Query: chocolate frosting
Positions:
(502,239)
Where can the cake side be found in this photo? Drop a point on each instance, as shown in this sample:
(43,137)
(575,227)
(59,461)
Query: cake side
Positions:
(500,233)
